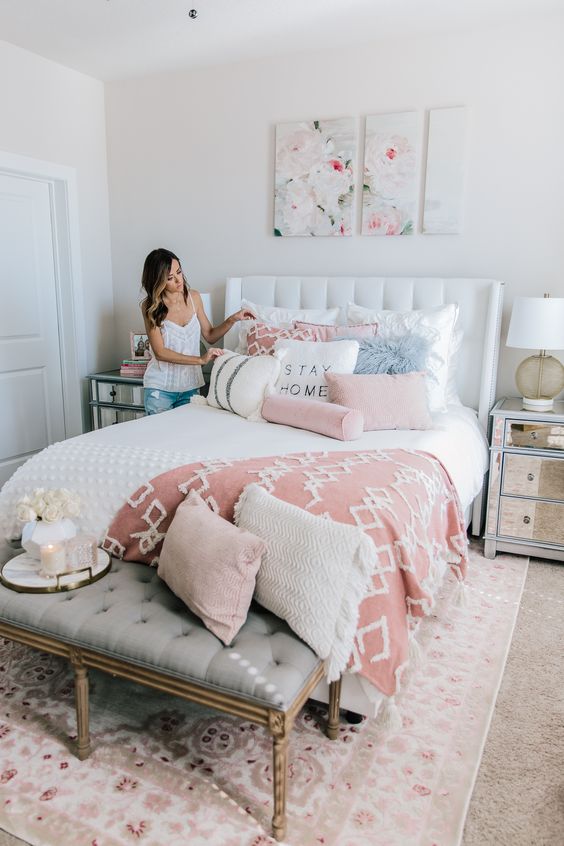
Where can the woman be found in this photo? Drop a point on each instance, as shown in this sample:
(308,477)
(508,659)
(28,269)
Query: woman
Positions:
(175,321)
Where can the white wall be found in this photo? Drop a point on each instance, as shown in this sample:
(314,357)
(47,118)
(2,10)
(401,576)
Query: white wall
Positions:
(54,114)
(191,164)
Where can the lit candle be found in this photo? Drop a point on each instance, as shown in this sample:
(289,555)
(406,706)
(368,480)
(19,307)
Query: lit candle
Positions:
(52,559)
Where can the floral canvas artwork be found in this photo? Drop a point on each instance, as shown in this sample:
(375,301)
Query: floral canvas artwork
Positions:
(390,174)
(314,187)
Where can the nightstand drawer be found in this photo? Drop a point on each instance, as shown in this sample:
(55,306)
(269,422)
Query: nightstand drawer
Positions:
(122,394)
(532,520)
(531,475)
(521,434)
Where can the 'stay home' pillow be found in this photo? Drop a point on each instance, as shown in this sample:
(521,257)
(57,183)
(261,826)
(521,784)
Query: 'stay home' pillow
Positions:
(305,363)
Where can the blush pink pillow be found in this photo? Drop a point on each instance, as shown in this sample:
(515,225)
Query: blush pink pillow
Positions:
(211,566)
(386,401)
(261,337)
(345,424)
(331,333)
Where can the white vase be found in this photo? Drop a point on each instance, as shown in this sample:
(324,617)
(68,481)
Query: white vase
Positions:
(38,532)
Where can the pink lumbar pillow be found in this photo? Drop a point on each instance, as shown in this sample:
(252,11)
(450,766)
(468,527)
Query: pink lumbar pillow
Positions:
(386,401)
(261,337)
(211,566)
(331,333)
(335,421)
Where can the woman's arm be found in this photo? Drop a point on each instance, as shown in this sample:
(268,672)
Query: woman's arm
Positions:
(210,333)
(162,353)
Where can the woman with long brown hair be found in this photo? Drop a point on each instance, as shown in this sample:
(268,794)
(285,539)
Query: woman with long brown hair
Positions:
(174,321)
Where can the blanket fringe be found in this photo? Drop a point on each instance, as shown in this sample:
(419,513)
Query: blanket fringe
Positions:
(239,505)
(460,596)
(415,654)
(198,400)
(347,621)
(389,717)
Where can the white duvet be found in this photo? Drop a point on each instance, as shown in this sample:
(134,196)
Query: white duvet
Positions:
(104,467)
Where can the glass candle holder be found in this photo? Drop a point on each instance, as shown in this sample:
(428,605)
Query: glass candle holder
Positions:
(81,552)
(53,559)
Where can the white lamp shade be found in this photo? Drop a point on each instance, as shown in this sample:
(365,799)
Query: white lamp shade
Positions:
(537,323)
(206,302)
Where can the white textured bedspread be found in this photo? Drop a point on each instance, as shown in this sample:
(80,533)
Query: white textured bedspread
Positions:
(105,466)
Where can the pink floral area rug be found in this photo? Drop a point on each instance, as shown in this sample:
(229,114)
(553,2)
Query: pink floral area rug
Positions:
(167,772)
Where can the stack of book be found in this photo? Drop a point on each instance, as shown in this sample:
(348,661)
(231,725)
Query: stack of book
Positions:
(134,367)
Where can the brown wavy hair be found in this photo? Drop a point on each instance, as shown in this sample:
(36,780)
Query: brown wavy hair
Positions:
(153,281)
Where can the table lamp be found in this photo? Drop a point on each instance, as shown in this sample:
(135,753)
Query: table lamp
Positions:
(538,323)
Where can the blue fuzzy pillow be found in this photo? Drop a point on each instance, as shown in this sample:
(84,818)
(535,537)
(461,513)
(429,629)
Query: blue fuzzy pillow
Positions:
(403,354)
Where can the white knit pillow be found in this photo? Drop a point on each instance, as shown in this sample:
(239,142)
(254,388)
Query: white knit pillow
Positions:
(241,383)
(314,573)
(305,364)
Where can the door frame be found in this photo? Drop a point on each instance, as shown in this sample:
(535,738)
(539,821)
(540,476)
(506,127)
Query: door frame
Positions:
(63,196)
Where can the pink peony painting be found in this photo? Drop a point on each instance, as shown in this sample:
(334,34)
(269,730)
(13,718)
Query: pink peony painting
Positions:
(314,184)
(390,174)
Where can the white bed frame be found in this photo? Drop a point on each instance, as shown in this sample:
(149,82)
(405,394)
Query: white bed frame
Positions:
(479,301)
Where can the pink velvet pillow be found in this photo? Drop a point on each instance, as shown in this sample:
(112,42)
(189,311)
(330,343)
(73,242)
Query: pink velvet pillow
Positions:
(261,337)
(331,333)
(345,424)
(211,565)
(386,401)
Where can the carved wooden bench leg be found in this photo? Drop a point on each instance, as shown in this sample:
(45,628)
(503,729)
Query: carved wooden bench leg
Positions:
(81,702)
(334,701)
(279,727)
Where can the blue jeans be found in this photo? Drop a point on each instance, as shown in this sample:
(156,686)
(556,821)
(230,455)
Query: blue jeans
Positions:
(156,400)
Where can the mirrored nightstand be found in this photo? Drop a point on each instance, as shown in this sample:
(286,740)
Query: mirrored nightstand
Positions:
(525,511)
(114,398)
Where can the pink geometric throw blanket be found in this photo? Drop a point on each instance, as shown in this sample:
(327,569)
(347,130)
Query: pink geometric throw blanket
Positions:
(403,499)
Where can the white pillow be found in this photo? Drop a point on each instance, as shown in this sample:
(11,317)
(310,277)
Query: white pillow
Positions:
(434,324)
(282,317)
(452,397)
(314,573)
(305,364)
(241,383)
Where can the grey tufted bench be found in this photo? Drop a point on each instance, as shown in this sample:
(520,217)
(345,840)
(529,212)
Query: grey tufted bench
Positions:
(129,624)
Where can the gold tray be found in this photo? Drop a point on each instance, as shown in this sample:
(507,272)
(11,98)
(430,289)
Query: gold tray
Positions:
(22,575)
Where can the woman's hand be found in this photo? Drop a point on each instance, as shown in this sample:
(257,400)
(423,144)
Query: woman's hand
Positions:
(212,353)
(242,314)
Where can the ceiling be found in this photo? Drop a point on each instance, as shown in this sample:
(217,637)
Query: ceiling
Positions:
(117,39)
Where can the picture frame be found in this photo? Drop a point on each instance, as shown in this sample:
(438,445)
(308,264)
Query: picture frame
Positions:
(139,346)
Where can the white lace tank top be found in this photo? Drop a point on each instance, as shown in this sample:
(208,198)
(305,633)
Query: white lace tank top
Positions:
(176,377)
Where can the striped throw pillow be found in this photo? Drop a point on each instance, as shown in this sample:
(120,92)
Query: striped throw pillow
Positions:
(240,383)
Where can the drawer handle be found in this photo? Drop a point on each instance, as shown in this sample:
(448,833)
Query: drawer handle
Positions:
(534,436)
(526,519)
(113,393)
(531,477)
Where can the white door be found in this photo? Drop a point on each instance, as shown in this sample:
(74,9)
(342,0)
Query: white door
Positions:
(31,394)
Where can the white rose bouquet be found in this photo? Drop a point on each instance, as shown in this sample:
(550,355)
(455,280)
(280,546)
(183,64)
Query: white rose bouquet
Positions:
(48,505)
